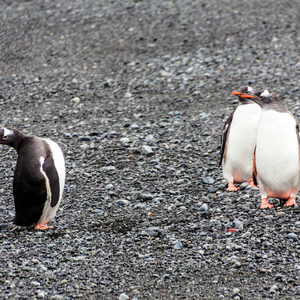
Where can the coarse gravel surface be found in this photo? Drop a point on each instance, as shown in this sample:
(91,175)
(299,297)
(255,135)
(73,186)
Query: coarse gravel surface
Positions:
(136,94)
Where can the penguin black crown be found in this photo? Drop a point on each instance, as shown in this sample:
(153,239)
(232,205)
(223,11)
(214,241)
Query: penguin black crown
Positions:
(39,178)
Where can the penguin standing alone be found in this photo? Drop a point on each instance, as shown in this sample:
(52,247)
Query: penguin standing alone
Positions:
(277,155)
(39,178)
(239,140)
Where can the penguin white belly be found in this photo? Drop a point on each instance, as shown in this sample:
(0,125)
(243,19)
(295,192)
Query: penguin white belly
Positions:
(277,155)
(59,162)
(238,161)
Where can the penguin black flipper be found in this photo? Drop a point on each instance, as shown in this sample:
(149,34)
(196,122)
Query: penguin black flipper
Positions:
(254,171)
(50,170)
(224,136)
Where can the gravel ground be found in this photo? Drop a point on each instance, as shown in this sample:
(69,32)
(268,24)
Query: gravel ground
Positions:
(136,93)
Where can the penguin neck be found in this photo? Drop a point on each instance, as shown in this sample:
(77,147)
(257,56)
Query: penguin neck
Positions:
(277,106)
(19,138)
(245,101)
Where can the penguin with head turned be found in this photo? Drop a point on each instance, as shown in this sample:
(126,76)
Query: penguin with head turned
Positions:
(39,178)
(239,140)
(277,154)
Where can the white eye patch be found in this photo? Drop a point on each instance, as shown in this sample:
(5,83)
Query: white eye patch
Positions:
(265,93)
(7,132)
(249,89)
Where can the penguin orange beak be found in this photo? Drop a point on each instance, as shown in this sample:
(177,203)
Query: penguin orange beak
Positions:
(236,93)
(248,96)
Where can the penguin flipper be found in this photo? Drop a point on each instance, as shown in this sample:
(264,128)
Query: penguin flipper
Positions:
(298,135)
(254,171)
(224,137)
(50,170)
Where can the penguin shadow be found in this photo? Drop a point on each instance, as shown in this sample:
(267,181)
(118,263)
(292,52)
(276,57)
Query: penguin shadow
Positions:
(6,228)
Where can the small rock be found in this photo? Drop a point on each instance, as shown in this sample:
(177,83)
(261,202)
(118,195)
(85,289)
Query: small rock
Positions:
(144,197)
(124,140)
(146,150)
(41,295)
(109,168)
(127,95)
(149,138)
(237,224)
(75,100)
(56,297)
(109,186)
(178,245)
(204,207)
(211,189)
(243,185)
(123,296)
(292,236)
(235,291)
(113,134)
(273,289)
(208,180)
(165,73)
(77,258)
(84,139)
(122,202)
(84,146)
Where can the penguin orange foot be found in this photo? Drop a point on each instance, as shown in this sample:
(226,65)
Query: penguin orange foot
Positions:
(291,201)
(42,226)
(232,187)
(251,183)
(265,203)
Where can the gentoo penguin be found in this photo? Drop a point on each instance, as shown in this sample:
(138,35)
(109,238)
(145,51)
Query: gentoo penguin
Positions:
(39,178)
(277,154)
(239,140)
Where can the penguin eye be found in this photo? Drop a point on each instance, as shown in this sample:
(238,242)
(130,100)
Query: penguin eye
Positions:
(5,137)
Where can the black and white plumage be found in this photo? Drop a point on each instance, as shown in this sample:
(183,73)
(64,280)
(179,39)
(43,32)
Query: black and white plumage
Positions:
(39,178)
(277,155)
(239,140)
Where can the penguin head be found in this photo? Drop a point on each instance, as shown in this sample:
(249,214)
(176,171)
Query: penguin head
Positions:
(243,90)
(7,136)
(266,99)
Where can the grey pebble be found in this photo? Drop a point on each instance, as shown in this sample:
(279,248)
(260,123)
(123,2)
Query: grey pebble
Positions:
(108,168)
(123,296)
(146,150)
(84,139)
(178,245)
(113,134)
(243,185)
(41,295)
(292,236)
(273,289)
(56,297)
(235,291)
(204,207)
(122,202)
(144,196)
(124,140)
(208,180)
(149,138)
(237,224)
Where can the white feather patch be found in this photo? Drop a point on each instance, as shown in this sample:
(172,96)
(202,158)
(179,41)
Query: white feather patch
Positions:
(7,132)
(59,162)
(249,89)
(265,93)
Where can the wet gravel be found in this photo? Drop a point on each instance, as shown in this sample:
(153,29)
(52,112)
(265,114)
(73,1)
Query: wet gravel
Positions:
(136,94)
